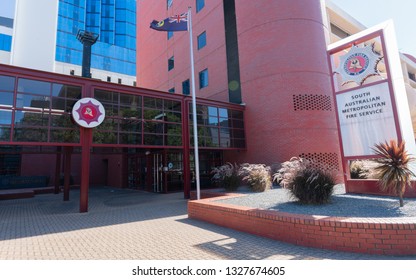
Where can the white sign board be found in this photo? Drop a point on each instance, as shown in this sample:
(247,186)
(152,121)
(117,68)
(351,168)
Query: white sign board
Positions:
(365,118)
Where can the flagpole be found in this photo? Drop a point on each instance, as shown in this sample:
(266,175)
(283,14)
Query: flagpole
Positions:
(194,119)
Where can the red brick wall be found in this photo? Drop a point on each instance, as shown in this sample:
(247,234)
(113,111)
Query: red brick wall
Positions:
(282,55)
(382,236)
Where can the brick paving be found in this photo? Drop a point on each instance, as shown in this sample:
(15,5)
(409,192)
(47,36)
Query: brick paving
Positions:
(131,225)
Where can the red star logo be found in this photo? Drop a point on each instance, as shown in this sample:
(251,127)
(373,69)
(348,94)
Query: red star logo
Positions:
(89,112)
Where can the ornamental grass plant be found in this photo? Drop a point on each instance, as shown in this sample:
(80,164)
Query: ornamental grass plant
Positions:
(308,182)
(257,176)
(393,172)
(226,176)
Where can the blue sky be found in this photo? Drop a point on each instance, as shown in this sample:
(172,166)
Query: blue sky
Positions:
(7,8)
(373,12)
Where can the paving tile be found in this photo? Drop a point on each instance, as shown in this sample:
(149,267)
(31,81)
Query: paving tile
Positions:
(131,225)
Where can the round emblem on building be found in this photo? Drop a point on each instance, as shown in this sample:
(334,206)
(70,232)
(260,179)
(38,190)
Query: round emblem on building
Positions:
(356,64)
(88,112)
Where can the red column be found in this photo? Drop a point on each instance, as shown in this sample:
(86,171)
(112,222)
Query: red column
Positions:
(58,170)
(67,172)
(86,140)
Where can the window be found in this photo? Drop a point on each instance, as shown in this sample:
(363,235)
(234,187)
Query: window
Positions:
(119,80)
(412,76)
(203,78)
(171,90)
(170,34)
(171,63)
(202,40)
(200,4)
(72,72)
(108,79)
(186,87)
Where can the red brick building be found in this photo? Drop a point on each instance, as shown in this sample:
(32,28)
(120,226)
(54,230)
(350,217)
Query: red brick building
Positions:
(269,55)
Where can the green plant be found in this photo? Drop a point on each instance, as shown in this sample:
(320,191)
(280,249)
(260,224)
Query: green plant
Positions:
(257,176)
(393,170)
(284,176)
(312,186)
(226,176)
(363,169)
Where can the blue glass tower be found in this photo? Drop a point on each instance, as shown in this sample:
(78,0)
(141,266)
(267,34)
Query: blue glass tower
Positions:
(115,23)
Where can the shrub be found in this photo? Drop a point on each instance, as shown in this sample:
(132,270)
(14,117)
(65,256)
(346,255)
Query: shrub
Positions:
(363,169)
(393,171)
(312,186)
(226,176)
(257,176)
(284,176)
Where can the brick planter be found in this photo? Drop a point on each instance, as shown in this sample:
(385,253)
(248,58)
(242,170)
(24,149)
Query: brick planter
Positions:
(382,236)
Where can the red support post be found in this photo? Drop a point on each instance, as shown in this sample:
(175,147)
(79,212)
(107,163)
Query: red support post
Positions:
(67,171)
(58,170)
(86,139)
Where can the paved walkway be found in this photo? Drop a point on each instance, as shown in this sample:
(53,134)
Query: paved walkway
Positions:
(131,225)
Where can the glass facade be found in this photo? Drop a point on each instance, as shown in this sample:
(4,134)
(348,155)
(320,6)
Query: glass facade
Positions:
(218,127)
(37,111)
(114,22)
(5,42)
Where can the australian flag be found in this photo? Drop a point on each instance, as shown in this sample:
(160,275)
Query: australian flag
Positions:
(173,23)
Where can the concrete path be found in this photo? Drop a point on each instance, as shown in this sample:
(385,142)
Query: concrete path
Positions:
(131,225)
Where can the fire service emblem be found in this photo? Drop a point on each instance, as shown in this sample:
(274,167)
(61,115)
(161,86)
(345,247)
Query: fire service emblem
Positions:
(88,112)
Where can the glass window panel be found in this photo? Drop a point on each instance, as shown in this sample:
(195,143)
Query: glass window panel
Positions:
(7,83)
(153,139)
(225,142)
(225,122)
(28,118)
(213,120)
(66,91)
(61,120)
(239,143)
(6,117)
(6,99)
(174,129)
(173,117)
(213,111)
(110,109)
(32,101)
(237,133)
(223,112)
(64,135)
(202,40)
(4,134)
(130,138)
(200,4)
(109,124)
(30,135)
(105,96)
(33,86)
(131,112)
(104,137)
(173,140)
(130,100)
(150,102)
(131,124)
(203,78)
(237,123)
(60,105)
(153,114)
(186,90)
(236,114)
